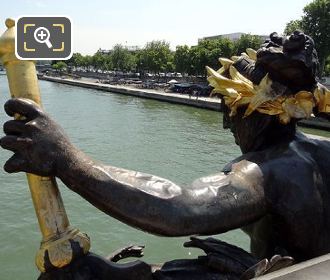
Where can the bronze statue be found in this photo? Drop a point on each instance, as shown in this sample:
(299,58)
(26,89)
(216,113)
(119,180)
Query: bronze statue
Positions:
(277,191)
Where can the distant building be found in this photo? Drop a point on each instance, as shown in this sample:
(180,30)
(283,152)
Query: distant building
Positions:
(133,48)
(104,51)
(231,36)
(129,48)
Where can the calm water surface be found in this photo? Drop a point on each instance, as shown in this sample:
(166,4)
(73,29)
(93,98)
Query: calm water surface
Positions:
(173,141)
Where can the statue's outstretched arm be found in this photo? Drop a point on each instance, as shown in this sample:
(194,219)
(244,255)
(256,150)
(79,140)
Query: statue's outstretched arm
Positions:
(210,205)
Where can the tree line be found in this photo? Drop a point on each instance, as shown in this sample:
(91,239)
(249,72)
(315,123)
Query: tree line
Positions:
(157,57)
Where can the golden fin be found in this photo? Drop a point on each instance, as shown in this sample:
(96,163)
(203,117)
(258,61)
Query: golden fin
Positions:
(225,61)
(251,53)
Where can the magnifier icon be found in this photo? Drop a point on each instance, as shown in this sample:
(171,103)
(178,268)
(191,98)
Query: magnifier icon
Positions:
(41,35)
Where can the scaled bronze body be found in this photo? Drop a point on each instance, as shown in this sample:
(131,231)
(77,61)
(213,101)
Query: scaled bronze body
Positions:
(278,190)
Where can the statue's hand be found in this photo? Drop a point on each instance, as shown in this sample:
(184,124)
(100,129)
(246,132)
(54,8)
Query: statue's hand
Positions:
(39,144)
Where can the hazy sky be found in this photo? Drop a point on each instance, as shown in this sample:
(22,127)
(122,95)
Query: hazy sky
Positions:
(102,24)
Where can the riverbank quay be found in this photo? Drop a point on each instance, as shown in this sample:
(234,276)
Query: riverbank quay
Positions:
(200,102)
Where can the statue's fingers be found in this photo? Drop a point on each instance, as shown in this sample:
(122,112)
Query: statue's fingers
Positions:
(22,106)
(15,164)
(14,127)
(14,143)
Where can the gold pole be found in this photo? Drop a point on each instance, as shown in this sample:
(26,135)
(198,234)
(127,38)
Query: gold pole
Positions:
(59,241)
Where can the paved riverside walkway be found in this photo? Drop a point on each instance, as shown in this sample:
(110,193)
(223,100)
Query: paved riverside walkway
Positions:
(200,102)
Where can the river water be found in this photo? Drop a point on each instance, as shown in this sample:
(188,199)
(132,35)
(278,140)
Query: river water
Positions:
(173,141)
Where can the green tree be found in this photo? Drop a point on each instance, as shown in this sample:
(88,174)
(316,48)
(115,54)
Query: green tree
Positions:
(156,57)
(207,52)
(75,60)
(221,47)
(182,59)
(108,65)
(247,41)
(292,26)
(122,59)
(140,63)
(98,61)
(316,23)
(196,61)
(170,67)
(87,62)
(59,66)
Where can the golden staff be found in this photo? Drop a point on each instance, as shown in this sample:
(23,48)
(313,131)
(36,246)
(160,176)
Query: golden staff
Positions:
(59,241)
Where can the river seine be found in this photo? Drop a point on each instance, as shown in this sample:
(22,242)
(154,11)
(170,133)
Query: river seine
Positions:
(173,141)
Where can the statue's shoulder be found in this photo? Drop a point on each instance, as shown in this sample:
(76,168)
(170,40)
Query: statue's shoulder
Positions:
(314,144)
(309,149)
(300,157)
(302,164)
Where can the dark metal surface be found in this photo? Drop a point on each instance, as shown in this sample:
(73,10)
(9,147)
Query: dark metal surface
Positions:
(278,190)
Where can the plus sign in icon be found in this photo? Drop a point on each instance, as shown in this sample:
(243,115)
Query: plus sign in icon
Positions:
(43,38)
